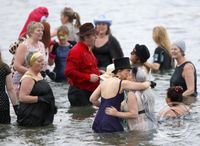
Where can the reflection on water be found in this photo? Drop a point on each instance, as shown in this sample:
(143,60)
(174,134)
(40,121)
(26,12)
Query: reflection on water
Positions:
(125,138)
(81,113)
(133,21)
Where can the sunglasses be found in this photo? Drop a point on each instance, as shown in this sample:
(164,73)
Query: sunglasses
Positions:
(133,52)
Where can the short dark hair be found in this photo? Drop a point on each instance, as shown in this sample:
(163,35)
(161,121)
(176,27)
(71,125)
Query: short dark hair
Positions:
(175,94)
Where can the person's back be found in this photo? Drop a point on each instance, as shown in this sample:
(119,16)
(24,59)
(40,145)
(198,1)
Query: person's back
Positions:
(174,99)
(107,88)
(111,96)
(111,93)
(162,58)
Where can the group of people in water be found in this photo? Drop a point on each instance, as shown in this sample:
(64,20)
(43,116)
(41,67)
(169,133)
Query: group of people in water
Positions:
(90,59)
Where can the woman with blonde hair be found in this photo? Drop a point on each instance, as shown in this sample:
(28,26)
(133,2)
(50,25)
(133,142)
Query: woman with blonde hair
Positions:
(33,43)
(37,102)
(162,58)
(67,18)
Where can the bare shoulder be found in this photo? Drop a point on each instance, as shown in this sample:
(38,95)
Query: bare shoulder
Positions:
(125,82)
(27,81)
(188,66)
(167,113)
(22,48)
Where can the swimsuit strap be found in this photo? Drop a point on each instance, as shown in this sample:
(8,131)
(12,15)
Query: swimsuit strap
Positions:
(30,75)
(119,86)
(176,113)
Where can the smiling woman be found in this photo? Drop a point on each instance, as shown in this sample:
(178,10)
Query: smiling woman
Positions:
(33,43)
(185,72)
(132,23)
(107,47)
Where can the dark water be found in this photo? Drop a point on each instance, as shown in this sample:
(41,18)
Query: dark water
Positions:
(133,21)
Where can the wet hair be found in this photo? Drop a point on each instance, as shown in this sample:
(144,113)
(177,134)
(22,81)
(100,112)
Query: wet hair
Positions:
(64,29)
(71,14)
(32,26)
(175,94)
(161,38)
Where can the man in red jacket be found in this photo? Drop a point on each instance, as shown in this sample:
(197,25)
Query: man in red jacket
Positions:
(81,68)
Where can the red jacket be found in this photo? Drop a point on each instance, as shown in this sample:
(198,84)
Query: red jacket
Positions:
(80,64)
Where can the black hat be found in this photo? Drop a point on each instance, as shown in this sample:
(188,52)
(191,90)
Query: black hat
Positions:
(121,63)
(86,29)
(142,52)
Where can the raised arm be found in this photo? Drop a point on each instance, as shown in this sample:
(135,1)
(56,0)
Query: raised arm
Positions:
(54,33)
(130,85)
(153,66)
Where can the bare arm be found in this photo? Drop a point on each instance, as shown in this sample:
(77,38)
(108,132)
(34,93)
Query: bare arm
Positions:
(25,90)
(188,75)
(54,33)
(11,90)
(19,59)
(130,85)
(94,98)
(153,66)
(132,108)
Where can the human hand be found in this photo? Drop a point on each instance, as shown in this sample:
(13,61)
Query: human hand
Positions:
(101,71)
(94,78)
(111,111)
(152,84)
(147,84)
